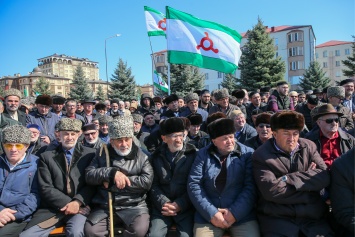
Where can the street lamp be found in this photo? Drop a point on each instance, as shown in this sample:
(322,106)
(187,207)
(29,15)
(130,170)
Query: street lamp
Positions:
(113,36)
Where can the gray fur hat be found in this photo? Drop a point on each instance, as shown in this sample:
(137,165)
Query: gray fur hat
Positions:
(221,93)
(121,126)
(16,134)
(104,119)
(137,118)
(14,92)
(191,96)
(336,91)
(69,124)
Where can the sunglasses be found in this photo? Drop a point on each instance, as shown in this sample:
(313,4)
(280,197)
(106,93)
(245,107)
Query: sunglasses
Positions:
(88,134)
(329,121)
(264,125)
(18,146)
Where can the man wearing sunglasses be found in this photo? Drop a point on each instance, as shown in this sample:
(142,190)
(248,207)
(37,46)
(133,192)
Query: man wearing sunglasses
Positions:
(19,196)
(91,136)
(262,124)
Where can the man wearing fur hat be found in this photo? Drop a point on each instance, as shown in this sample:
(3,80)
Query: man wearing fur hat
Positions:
(171,163)
(129,177)
(221,185)
(305,109)
(12,104)
(103,128)
(100,108)
(146,104)
(279,99)
(19,196)
(197,137)
(57,106)
(290,174)
(173,109)
(222,102)
(91,136)
(64,192)
(45,119)
(262,126)
(191,100)
(335,95)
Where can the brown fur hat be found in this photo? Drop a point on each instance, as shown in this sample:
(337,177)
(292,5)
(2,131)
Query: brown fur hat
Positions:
(214,117)
(287,119)
(221,127)
(44,100)
(262,118)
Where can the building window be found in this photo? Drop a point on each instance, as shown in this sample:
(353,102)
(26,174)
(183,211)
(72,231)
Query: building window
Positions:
(337,52)
(206,76)
(276,40)
(219,75)
(325,54)
(295,51)
(290,38)
(160,59)
(347,51)
(325,64)
(293,66)
(337,63)
(337,74)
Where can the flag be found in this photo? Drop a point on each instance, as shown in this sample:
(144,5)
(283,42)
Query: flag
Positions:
(155,21)
(201,43)
(159,83)
(25,92)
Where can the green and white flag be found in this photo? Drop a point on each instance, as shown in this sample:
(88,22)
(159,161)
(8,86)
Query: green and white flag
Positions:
(155,21)
(201,43)
(159,83)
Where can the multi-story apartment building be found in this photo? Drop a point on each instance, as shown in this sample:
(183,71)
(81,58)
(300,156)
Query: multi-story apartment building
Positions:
(330,56)
(294,44)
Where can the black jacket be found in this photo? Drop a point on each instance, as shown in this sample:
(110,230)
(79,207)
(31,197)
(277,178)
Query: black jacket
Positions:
(21,116)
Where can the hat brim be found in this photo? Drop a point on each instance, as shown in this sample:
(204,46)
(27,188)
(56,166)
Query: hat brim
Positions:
(322,114)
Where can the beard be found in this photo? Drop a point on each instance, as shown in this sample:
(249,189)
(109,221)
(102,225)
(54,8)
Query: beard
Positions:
(120,153)
(93,141)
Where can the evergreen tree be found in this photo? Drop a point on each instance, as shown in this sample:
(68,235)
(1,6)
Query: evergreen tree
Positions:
(81,90)
(100,95)
(42,87)
(258,64)
(185,79)
(123,85)
(229,82)
(314,78)
(350,62)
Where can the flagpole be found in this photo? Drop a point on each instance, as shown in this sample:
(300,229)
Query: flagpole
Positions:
(151,49)
(168,78)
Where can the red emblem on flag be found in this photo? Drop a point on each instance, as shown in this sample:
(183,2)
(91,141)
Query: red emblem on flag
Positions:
(210,45)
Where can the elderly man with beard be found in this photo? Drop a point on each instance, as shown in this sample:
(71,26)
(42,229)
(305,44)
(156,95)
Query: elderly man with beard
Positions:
(222,102)
(279,99)
(221,185)
(171,163)
(36,146)
(91,136)
(12,104)
(64,193)
(191,100)
(262,125)
(129,176)
(290,174)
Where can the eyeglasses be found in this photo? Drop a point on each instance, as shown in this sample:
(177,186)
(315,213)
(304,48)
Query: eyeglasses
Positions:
(264,125)
(18,146)
(329,121)
(175,136)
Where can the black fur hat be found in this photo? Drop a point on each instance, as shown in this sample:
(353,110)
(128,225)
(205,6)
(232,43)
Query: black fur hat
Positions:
(287,119)
(171,125)
(100,106)
(170,99)
(215,116)
(195,119)
(221,127)
(44,100)
(262,118)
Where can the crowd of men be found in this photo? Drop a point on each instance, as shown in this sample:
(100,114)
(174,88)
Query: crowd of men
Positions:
(269,162)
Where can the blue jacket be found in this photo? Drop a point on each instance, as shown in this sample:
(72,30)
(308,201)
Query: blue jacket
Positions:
(246,133)
(45,122)
(239,193)
(19,187)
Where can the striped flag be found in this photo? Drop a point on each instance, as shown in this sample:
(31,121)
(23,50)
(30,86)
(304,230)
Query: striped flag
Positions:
(159,83)
(201,43)
(155,21)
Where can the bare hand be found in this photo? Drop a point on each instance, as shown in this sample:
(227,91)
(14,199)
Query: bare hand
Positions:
(45,139)
(121,180)
(313,166)
(228,216)
(169,209)
(6,216)
(71,208)
(219,221)
(105,184)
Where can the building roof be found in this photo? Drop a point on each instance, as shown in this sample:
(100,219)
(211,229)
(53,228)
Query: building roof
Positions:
(66,57)
(333,43)
(275,29)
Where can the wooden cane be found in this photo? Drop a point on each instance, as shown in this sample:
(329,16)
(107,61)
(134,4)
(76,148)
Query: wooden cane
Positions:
(110,207)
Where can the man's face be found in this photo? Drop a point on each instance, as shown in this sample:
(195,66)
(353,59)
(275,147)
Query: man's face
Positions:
(301,98)
(181,103)
(12,103)
(127,104)
(101,111)
(146,102)
(174,105)
(239,121)
(79,106)
(57,107)
(328,128)
(294,98)
(70,107)
(255,99)
(34,134)
(349,88)
(137,127)
(310,106)
(114,106)
(264,131)
(205,98)
(96,122)
(319,96)
(103,128)
(283,89)
(122,146)
(193,105)
(263,99)
(334,100)
(69,139)
(149,120)
(175,141)
(91,136)
(121,106)
(43,109)
(194,129)
(88,107)
(224,102)
(286,139)
(158,105)
(225,143)
(15,151)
